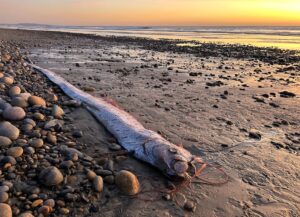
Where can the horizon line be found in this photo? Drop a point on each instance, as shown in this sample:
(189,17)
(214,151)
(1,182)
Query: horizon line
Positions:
(167,25)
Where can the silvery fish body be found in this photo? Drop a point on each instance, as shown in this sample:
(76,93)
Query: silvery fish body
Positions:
(145,144)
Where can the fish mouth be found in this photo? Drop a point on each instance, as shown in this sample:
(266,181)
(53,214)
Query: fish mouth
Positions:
(178,166)
(183,167)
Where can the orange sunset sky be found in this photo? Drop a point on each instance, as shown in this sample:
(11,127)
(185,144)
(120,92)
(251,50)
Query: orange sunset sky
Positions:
(152,12)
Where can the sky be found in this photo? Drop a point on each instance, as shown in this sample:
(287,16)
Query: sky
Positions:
(152,12)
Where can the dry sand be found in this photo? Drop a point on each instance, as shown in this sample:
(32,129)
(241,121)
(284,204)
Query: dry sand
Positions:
(213,106)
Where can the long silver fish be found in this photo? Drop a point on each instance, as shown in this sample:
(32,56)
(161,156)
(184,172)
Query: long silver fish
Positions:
(145,144)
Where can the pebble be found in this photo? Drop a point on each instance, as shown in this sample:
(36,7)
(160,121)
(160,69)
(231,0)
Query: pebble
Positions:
(24,96)
(29,150)
(4,105)
(5,210)
(8,159)
(50,202)
(7,80)
(5,141)
(115,147)
(3,197)
(26,127)
(67,164)
(109,179)
(127,182)
(36,203)
(29,121)
(51,176)
(8,184)
(13,91)
(38,116)
(20,102)
(189,206)
(64,211)
(77,134)
(72,103)
(6,57)
(26,214)
(89,89)
(57,112)
(36,143)
(98,183)
(104,172)
(15,151)
(287,94)
(52,124)
(52,97)
(91,174)
(36,100)
(45,210)
(254,134)
(4,188)
(9,130)
(14,114)
(51,138)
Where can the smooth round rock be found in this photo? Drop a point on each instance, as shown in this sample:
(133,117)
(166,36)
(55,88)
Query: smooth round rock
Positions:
(4,188)
(189,206)
(91,175)
(51,176)
(64,211)
(8,184)
(4,105)
(5,141)
(20,102)
(36,203)
(127,182)
(45,210)
(77,134)
(26,214)
(6,57)
(57,111)
(29,121)
(7,80)
(36,143)
(15,151)
(36,100)
(14,114)
(38,116)
(24,96)
(13,91)
(5,210)
(29,150)
(3,197)
(109,179)
(52,97)
(26,127)
(51,138)
(66,164)
(9,130)
(98,183)
(9,159)
(50,202)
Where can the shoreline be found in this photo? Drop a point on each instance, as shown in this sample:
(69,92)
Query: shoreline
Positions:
(259,37)
(237,113)
(271,55)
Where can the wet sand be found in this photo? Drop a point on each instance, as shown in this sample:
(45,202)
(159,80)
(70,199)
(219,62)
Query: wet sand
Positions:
(227,107)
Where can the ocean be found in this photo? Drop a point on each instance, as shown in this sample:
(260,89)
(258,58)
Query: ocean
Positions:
(262,36)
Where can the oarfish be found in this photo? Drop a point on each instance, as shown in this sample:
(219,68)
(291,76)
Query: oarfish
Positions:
(145,144)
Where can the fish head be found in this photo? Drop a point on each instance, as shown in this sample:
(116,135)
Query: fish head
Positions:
(178,166)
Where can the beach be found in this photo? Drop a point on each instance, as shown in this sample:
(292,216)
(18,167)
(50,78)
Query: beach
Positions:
(237,107)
